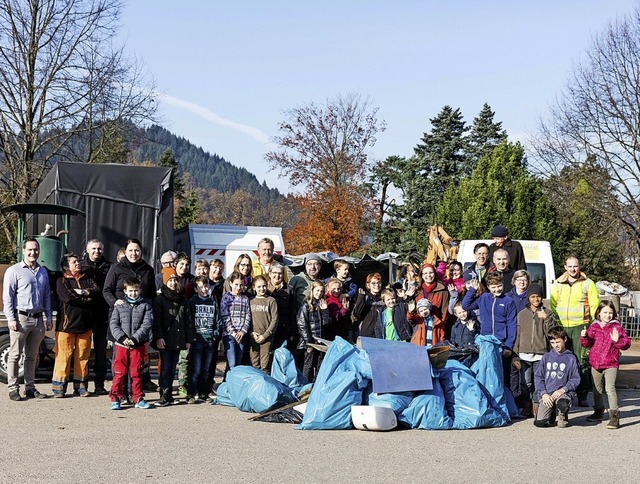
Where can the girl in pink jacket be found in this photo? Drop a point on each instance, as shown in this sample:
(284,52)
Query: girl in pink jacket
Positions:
(606,338)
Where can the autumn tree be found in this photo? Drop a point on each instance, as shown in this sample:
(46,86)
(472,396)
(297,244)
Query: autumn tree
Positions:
(62,75)
(598,115)
(323,151)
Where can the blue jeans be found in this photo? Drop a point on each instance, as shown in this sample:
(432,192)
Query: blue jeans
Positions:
(233,350)
(200,357)
(168,364)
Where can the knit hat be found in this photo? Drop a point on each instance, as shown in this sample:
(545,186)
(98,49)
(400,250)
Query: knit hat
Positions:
(168,273)
(423,303)
(312,256)
(534,289)
(499,231)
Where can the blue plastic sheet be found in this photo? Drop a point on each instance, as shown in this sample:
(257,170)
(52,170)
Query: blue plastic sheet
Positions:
(251,390)
(466,401)
(285,371)
(488,371)
(344,374)
(398,402)
(427,410)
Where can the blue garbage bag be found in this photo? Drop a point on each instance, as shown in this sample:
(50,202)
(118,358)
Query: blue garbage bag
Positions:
(285,371)
(488,371)
(344,373)
(252,390)
(222,396)
(465,400)
(398,402)
(427,410)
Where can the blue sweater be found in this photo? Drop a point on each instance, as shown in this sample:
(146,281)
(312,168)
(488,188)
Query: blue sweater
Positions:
(497,315)
(555,371)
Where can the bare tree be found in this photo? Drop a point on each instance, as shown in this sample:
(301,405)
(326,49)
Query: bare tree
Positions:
(325,146)
(597,118)
(61,76)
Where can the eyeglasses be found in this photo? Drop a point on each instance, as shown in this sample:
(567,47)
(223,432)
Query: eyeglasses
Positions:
(166,263)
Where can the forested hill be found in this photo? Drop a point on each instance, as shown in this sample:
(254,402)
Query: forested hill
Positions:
(207,171)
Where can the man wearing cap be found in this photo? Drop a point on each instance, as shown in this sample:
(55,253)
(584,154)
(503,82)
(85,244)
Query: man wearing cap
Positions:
(501,240)
(574,299)
(95,263)
(27,303)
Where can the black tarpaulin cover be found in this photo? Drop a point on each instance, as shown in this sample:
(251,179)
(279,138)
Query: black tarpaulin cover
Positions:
(120,201)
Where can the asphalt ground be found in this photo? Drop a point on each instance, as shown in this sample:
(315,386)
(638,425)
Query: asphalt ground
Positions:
(81,440)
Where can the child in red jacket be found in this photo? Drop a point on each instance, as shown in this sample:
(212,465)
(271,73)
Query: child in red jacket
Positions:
(606,338)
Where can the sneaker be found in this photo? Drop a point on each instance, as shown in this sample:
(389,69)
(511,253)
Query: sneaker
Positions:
(34,394)
(58,395)
(205,398)
(100,391)
(182,391)
(162,402)
(81,393)
(116,406)
(562,421)
(15,395)
(143,404)
(191,400)
(127,399)
(150,387)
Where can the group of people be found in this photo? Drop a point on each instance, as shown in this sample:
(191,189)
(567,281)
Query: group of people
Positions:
(549,354)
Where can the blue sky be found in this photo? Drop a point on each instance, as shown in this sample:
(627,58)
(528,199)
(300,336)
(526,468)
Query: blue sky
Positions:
(226,70)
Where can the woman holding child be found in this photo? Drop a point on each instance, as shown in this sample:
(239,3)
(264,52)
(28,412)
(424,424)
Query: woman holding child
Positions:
(435,292)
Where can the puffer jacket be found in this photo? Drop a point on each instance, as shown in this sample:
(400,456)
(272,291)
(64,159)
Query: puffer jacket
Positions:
(171,320)
(312,324)
(532,331)
(604,353)
(133,321)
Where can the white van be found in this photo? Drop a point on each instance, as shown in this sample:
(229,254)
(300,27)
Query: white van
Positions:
(537,253)
(225,242)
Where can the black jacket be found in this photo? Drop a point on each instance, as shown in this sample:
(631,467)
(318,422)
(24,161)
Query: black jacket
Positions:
(118,273)
(171,320)
(312,325)
(98,271)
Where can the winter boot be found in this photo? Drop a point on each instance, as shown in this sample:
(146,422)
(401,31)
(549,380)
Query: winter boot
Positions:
(597,415)
(162,401)
(614,419)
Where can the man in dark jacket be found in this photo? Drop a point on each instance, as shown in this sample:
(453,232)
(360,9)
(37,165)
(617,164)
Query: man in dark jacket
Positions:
(95,264)
(501,240)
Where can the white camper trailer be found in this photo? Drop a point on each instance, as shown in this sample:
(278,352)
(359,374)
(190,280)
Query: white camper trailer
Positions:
(225,242)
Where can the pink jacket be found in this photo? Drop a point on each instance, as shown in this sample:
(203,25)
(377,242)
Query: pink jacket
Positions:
(441,271)
(604,352)
(336,309)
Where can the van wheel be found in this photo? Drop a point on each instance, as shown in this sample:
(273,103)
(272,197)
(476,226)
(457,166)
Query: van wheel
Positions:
(4,358)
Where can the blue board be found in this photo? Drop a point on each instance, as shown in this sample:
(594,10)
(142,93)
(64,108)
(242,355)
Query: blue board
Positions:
(397,366)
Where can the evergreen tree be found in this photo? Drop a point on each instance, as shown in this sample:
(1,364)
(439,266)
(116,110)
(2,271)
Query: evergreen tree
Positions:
(500,191)
(169,160)
(440,159)
(485,134)
(188,211)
